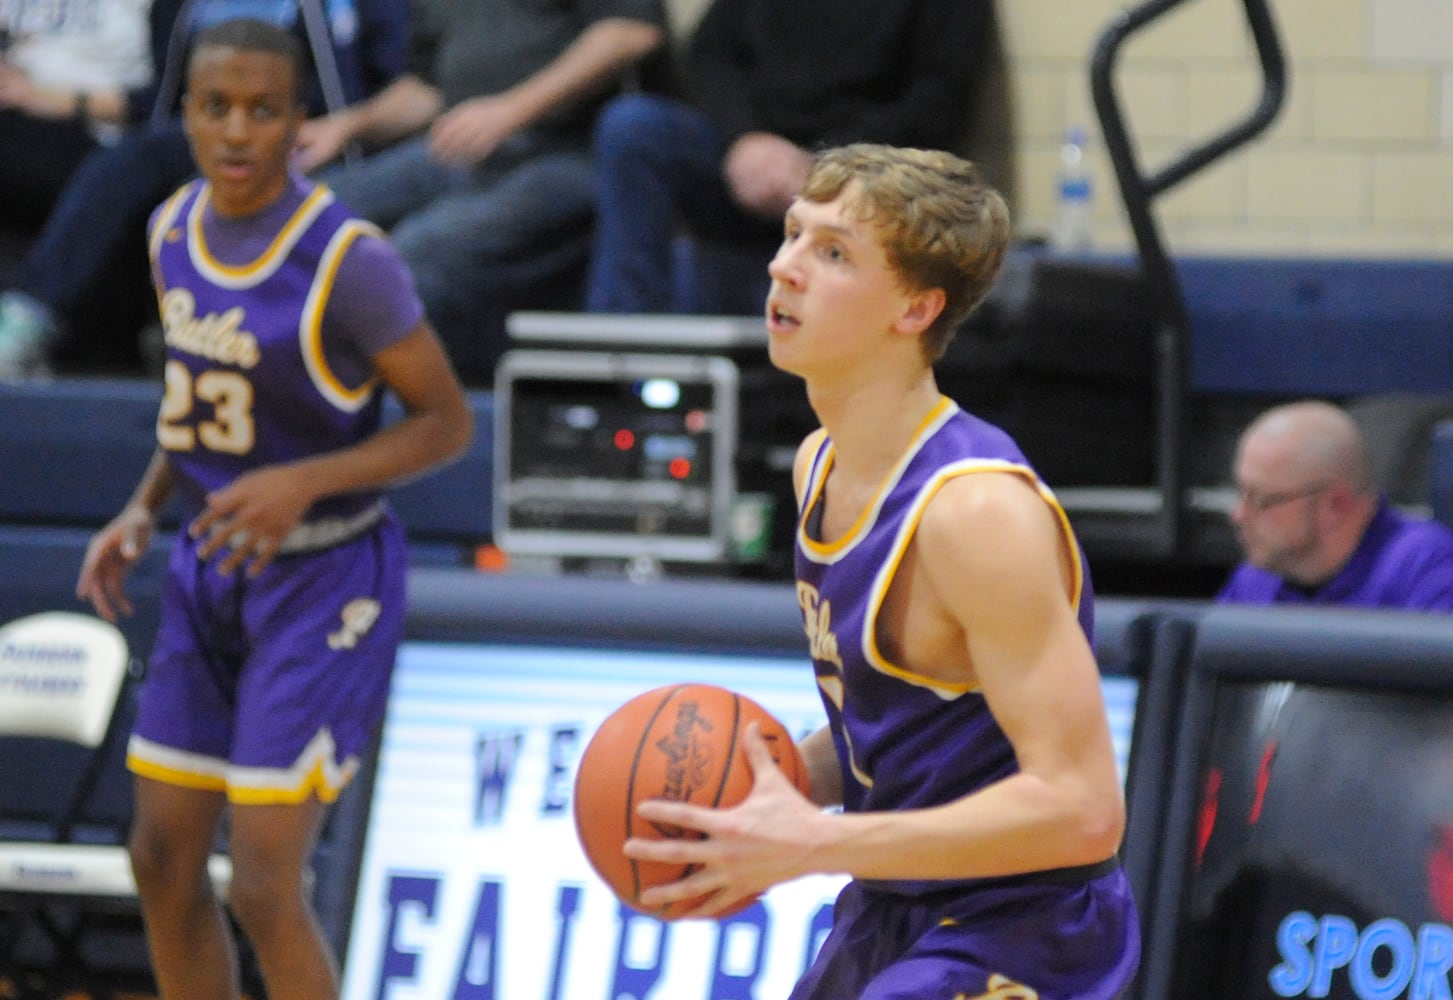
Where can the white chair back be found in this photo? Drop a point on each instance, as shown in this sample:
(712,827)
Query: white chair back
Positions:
(60,675)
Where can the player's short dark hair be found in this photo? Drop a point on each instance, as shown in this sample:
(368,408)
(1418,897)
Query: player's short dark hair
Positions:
(249,34)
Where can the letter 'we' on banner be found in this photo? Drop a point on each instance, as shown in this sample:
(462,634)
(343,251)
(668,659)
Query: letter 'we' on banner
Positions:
(473,884)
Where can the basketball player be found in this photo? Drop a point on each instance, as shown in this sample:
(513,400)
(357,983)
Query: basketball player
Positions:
(285,320)
(948,608)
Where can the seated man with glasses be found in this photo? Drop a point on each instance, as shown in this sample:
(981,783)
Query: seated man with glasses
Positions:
(1314,528)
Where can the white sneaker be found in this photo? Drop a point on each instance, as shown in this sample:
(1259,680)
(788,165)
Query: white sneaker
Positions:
(26,332)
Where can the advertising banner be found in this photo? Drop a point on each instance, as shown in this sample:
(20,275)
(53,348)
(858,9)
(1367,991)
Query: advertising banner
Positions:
(473,885)
(1323,856)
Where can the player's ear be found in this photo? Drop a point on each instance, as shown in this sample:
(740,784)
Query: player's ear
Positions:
(922,309)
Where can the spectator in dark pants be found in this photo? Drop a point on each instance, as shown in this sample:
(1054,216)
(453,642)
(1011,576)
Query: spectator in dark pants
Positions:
(767,83)
(80,294)
(488,195)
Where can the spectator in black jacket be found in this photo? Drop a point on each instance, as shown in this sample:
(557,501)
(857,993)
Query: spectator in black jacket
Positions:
(768,82)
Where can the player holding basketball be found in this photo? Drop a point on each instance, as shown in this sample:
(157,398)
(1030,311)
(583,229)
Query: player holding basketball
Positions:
(285,318)
(948,609)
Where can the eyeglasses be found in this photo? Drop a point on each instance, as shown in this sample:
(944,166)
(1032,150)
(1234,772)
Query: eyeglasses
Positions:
(1262,502)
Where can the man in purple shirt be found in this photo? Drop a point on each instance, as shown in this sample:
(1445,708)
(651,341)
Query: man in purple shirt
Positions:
(1314,528)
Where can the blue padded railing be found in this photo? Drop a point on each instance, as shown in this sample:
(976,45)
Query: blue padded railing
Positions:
(72,451)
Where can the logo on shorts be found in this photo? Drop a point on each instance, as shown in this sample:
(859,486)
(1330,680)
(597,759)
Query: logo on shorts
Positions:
(358,617)
(1002,988)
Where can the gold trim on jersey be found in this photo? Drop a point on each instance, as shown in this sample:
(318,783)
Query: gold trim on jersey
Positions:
(256,271)
(883,582)
(162,224)
(310,326)
(1001,987)
(166,217)
(831,552)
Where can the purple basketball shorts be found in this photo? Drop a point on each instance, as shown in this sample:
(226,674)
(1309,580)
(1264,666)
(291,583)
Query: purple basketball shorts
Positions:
(272,688)
(997,942)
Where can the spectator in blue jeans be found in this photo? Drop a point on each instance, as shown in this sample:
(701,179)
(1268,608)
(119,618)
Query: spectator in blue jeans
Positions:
(81,292)
(488,195)
(767,83)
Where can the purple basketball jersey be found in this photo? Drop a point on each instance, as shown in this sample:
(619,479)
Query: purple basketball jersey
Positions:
(248,380)
(270,688)
(907,741)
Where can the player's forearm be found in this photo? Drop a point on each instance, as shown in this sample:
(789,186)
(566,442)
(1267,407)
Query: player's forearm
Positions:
(419,442)
(155,487)
(593,61)
(1021,824)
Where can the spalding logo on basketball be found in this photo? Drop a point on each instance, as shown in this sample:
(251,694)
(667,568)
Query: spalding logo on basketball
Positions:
(680,742)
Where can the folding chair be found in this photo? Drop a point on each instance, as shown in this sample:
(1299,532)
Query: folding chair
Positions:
(65,679)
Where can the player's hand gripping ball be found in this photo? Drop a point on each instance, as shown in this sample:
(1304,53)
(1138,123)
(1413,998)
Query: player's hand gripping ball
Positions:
(680,742)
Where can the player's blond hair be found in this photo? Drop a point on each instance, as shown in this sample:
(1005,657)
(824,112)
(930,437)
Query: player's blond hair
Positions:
(939,223)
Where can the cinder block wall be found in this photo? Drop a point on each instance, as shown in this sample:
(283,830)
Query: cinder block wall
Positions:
(1359,162)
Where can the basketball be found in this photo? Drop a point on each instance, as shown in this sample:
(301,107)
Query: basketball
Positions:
(679,742)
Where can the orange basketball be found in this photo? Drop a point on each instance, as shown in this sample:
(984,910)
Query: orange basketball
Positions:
(678,742)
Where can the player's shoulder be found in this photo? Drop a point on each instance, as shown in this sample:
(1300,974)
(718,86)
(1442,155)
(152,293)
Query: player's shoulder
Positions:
(368,255)
(367,241)
(807,453)
(167,211)
(811,444)
(337,213)
(986,501)
(984,488)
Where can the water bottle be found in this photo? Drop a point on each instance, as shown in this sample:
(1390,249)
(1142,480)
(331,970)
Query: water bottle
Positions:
(1074,204)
